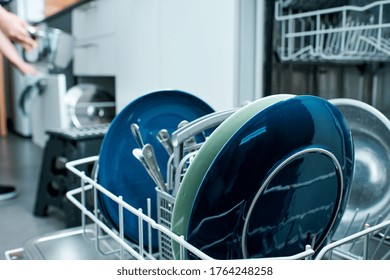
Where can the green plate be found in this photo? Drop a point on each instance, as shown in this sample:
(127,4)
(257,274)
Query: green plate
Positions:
(205,156)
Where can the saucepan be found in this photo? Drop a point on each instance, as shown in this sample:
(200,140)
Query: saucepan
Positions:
(55,47)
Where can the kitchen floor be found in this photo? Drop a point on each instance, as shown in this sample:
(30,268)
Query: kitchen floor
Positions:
(20,163)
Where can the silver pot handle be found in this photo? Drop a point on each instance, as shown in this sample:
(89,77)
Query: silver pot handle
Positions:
(35,32)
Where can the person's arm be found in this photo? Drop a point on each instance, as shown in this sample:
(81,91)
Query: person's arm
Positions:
(9,51)
(15,29)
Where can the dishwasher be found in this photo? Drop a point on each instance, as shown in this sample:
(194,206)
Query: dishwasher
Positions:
(316,47)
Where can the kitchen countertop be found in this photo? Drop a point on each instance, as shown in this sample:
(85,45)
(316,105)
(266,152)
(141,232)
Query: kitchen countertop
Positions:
(66,10)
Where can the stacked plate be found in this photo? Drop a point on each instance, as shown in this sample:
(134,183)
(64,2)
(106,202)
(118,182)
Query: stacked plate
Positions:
(271,179)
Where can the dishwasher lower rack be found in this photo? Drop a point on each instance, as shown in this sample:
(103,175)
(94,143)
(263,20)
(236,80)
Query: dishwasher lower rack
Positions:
(369,243)
(91,218)
(365,244)
(61,245)
(345,34)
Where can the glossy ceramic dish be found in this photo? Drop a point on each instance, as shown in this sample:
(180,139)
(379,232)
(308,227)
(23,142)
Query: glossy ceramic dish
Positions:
(120,172)
(370,192)
(206,155)
(279,183)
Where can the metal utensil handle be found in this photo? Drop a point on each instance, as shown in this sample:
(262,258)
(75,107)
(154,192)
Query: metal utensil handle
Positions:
(35,32)
(151,160)
(137,135)
(138,155)
(165,140)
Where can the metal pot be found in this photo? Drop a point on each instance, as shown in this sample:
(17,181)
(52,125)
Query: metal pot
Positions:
(55,47)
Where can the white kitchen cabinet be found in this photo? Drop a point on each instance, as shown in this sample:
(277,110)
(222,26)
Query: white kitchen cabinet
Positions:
(205,47)
(191,45)
(93,27)
(94,19)
(199,48)
(95,57)
(139,60)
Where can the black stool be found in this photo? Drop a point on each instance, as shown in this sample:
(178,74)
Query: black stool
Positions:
(55,180)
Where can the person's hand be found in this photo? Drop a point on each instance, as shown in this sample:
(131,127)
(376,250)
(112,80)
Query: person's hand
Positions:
(16,29)
(9,51)
(27,69)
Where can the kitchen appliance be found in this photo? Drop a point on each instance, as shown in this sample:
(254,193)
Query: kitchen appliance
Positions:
(82,106)
(32,11)
(48,110)
(46,90)
(47,105)
(89,105)
(55,47)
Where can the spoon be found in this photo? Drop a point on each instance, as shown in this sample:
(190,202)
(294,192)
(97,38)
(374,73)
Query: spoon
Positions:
(138,154)
(165,139)
(151,160)
(137,134)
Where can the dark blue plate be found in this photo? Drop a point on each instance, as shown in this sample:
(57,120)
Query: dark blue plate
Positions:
(279,183)
(120,172)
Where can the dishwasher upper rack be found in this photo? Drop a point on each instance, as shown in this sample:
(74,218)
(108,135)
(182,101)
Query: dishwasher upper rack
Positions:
(129,249)
(346,34)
